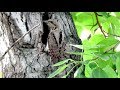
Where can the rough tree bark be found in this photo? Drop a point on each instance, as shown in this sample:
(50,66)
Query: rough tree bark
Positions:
(28,57)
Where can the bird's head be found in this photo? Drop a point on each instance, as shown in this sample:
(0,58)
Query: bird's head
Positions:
(52,24)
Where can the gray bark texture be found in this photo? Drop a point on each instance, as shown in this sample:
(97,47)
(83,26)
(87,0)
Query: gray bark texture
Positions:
(30,56)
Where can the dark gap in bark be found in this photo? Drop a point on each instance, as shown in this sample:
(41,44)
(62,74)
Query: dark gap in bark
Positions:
(60,39)
(26,25)
(45,16)
(45,29)
(27,28)
(45,33)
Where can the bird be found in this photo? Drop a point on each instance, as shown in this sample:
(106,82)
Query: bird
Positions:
(57,43)
(54,37)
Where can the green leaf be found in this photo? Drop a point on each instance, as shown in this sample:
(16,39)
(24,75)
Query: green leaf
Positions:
(118,66)
(106,56)
(90,46)
(101,63)
(105,14)
(88,71)
(103,56)
(110,72)
(111,29)
(117,14)
(106,26)
(79,27)
(102,19)
(94,40)
(74,16)
(99,73)
(107,43)
(116,22)
(78,72)
(87,20)
(110,62)
(92,64)
(63,62)
(77,46)
(86,62)
(59,70)
(92,43)
(87,55)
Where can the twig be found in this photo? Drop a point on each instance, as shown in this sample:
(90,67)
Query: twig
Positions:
(96,15)
(112,47)
(99,14)
(111,34)
(17,41)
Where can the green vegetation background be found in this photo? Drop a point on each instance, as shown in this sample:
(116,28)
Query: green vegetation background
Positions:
(100,34)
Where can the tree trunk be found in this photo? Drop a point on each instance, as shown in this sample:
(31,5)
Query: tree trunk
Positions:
(28,57)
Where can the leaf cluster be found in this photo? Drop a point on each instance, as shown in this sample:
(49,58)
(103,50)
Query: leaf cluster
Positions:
(101,56)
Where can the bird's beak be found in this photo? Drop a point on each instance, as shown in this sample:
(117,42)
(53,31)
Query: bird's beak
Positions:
(45,21)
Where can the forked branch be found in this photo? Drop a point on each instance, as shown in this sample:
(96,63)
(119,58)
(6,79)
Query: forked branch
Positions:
(96,15)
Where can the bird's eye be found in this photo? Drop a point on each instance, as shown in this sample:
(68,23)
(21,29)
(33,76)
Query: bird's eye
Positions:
(55,28)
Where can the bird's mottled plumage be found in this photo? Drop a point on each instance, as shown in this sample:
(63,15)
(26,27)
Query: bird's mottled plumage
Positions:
(57,44)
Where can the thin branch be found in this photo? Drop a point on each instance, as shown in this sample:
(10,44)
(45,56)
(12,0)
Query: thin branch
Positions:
(112,47)
(96,15)
(111,34)
(92,26)
(17,41)
(99,14)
